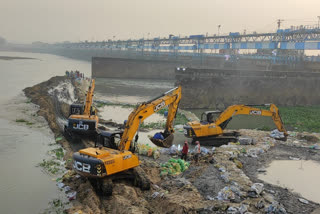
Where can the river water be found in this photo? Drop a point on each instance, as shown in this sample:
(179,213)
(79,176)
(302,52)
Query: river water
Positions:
(24,188)
(300,176)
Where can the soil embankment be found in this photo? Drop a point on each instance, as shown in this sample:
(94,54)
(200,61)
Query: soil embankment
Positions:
(222,182)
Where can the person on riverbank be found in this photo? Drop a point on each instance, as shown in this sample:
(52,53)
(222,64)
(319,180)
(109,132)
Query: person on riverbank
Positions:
(185,149)
(198,151)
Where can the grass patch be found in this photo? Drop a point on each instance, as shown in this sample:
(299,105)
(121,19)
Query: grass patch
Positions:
(58,153)
(21,121)
(181,119)
(301,118)
(51,166)
(24,121)
(56,206)
(265,128)
(100,104)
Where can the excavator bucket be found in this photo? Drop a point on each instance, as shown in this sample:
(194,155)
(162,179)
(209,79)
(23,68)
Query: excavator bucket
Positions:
(166,143)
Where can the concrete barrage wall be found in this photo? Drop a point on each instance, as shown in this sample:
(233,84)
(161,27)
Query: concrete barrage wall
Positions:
(161,68)
(132,68)
(216,88)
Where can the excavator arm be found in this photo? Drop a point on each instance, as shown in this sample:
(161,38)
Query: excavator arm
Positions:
(89,99)
(250,110)
(146,109)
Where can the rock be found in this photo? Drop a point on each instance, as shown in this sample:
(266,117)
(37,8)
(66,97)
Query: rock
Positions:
(225,194)
(271,191)
(261,170)
(255,190)
(235,190)
(303,201)
(254,152)
(243,209)
(72,195)
(155,194)
(276,134)
(66,188)
(225,177)
(60,185)
(245,140)
(232,210)
(210,198)
(294,158)
(222,169)
(275,208)
(259,205)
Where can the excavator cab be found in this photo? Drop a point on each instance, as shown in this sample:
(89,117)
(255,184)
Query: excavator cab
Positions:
(109,139)
(209,116)
(76,109)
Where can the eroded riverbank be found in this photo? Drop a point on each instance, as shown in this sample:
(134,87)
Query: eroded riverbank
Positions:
(224,180)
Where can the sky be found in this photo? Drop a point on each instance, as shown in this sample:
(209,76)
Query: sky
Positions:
(26,21)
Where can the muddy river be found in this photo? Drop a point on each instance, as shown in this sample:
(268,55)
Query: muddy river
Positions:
(300,176)
(24,188)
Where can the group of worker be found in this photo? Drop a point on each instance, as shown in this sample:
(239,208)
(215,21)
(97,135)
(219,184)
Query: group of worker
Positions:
(185,150)
(75,74)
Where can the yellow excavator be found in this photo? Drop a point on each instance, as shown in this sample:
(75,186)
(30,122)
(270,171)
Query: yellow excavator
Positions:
(110,160)
(83,119)
(210,129)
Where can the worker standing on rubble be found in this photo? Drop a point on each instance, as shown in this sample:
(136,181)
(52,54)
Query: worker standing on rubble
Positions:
(198,151)
(185,149)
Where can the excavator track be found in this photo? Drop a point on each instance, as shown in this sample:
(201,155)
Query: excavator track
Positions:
(141,180)
(104,186)
(216,140)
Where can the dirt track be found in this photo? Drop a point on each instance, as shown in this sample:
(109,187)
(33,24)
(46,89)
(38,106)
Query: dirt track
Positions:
(195,190)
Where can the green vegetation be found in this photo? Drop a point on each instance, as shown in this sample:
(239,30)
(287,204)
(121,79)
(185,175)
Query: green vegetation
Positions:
(153,125)
(99,105)
(59,153)
(265,128)
(181,119)
(21,121)
(301,118)
(51,166)
(56,206)
(24,121)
